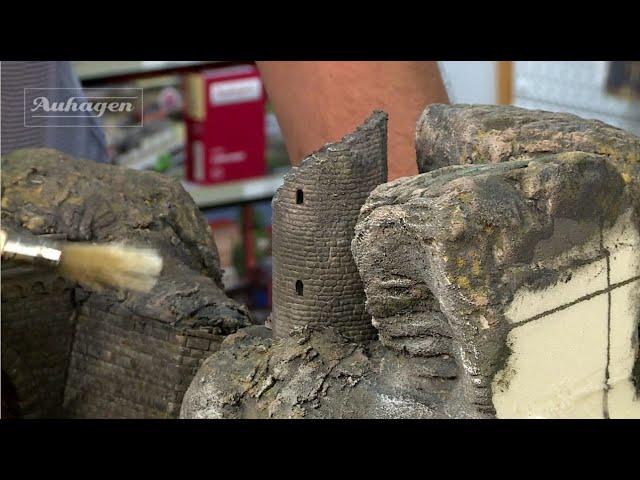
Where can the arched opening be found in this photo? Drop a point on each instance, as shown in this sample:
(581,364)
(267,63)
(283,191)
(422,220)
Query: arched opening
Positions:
(299,287)
(10,403)
(299,196)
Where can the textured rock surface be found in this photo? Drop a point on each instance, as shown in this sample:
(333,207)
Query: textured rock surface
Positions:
(443,255)
(133,354)
(310,374)
(314,278)
(465,134)
(510,289)
(45,191)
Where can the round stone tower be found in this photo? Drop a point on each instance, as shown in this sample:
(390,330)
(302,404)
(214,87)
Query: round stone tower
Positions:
(315,280)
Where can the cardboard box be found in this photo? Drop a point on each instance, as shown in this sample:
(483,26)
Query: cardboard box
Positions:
(225,118)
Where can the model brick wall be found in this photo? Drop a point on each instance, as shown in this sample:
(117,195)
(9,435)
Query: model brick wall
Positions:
(127,366)
(101,361)
(315,280)
(37,324)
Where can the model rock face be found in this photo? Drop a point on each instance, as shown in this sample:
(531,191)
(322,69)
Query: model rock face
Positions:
(70,352)
(509,290)
(481,134)
(534,268)
(466,134)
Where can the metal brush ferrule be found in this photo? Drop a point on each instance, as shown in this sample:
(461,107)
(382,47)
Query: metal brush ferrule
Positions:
(31,250)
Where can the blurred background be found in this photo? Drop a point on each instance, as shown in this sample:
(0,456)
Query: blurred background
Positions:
(211,125)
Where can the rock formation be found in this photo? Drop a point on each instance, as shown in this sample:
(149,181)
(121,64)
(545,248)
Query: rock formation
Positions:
(510,289)
(522,279)
(466,134)
(70,352)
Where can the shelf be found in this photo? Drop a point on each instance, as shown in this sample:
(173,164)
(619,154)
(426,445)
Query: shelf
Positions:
(93,71)
(233,193)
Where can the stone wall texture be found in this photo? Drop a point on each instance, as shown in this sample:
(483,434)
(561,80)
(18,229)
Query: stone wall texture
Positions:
(125,365)
(315,280)
(37,329)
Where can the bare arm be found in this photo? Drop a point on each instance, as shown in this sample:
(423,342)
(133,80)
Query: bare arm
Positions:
(319,102)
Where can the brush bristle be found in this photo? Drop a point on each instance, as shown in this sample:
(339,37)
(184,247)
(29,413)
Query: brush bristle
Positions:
(110,266)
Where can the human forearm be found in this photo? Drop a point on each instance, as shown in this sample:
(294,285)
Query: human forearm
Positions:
(319,102)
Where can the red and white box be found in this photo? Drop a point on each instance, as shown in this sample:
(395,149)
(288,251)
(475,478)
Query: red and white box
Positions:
(225,117)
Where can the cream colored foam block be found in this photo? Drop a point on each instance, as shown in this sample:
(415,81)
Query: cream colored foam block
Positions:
(625,312)
(585,279)
(576,360)
(557,366)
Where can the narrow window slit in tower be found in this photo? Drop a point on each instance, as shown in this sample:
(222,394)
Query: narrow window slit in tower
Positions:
(299,196)
(299,287)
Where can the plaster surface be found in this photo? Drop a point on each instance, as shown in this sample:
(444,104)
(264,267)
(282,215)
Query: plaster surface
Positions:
(574,344)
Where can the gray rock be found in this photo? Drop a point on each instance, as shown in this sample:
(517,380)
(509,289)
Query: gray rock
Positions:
(445,257)
(465,134)
(71,352)
(313,373)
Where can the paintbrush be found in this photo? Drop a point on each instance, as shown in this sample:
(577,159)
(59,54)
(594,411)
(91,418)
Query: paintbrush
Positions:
(95,266)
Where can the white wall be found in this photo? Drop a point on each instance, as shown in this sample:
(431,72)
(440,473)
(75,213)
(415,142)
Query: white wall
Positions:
(470,82)
(576,87)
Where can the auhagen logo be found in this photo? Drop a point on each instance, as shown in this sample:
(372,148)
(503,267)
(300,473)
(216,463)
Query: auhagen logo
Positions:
(74,104)
(71,107)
